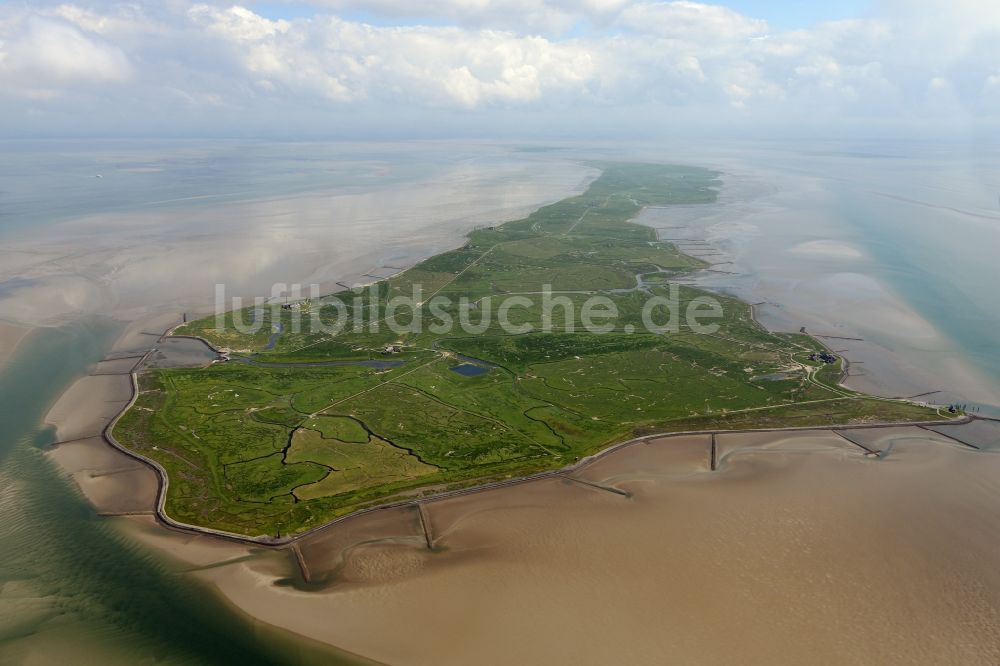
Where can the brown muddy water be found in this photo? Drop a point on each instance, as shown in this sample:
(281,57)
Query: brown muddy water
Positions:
(799,548)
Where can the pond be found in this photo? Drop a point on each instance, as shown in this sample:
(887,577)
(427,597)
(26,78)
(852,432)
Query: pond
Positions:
(470,370)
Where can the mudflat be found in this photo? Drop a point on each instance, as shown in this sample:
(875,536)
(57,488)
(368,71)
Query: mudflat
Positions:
(799,548)
(88,405)
(112,482)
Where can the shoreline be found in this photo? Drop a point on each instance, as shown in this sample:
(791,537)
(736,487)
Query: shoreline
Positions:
(283,542)
(268,598)
(825,276)
(251,606)
(79,413)
(267,584)
(561,540)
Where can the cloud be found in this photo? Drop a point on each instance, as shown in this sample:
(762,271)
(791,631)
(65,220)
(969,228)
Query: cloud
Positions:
(181,64)
(691,22)
(39,55)
(344,61)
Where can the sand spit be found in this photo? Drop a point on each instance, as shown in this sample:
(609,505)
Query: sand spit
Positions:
(800,548)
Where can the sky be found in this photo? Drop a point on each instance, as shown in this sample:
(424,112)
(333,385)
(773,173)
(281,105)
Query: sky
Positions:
(493,68)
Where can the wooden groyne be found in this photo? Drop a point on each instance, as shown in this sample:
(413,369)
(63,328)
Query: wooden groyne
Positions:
(300,558)
(598,486)
(122,358)
(75,439)
(113,472)
(868,450)
(954,439)
(713,453)
(920,395)
(425,525)
(119,514)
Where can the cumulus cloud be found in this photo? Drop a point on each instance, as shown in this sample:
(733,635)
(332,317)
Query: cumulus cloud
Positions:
(207,60)
(41,55)
(345,61)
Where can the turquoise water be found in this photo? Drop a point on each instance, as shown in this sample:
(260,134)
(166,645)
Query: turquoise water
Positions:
(924,218)
(943,265)
(72,588)
(69,579)
(930,218)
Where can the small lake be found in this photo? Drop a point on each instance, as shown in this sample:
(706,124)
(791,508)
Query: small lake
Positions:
(470,370)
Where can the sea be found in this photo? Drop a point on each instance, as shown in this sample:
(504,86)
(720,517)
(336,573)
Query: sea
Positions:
(888,248)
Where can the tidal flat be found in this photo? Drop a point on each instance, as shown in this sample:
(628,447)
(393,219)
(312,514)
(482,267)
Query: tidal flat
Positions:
(83,261)
(798,548)
(853,247)
(267,450)
(806,550)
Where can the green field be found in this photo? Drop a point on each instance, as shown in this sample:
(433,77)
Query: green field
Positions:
(274,450)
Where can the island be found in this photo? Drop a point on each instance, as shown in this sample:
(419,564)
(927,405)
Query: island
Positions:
(295,427)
